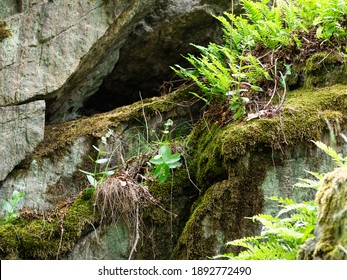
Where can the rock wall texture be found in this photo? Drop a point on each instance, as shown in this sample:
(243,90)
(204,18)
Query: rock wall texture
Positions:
(65,52)
(21,130)
(47,54)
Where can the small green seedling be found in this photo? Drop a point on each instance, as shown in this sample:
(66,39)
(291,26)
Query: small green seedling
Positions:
(96,177)
(8,213)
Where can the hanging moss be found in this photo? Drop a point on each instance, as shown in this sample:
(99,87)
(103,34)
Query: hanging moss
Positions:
(4,31)
(218,216)
(50,237)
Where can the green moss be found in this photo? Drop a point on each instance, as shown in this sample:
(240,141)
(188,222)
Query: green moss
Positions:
(303,119)
(234,160)
(4,32)
(324,69)
(218,217)
(164,222)
(331,233)
(50,237)
(207,161)
(59,135)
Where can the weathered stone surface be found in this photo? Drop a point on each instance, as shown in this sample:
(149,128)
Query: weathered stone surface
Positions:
(63,49)
(48,181)
(48,40)
(112,243)
(21,130)
(7,8)
(67,101)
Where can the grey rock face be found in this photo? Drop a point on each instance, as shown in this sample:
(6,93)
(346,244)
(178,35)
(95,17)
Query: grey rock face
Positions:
(21,130)
(117,19)
(58,51)
(45,48)
(48,180)
(113,243)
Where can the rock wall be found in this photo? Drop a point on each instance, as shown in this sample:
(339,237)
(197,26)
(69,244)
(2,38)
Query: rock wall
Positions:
(69,55)
(54,50)
(62,52)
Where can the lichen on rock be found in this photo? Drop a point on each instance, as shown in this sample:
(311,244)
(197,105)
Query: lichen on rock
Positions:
(4,31)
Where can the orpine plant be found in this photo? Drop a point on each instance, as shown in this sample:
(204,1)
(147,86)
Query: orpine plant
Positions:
(164,161)
(99,173)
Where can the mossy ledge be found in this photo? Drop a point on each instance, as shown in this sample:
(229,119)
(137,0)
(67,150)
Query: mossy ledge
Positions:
(302,119)
(58,136)
(52,236)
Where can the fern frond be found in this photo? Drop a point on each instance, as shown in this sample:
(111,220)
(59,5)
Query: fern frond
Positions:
(252,11)
(329,151)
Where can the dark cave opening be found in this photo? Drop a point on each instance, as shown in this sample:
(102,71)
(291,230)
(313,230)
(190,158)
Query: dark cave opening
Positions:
(110,97)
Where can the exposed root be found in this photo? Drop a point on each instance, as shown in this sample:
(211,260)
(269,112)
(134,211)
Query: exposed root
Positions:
(119,197)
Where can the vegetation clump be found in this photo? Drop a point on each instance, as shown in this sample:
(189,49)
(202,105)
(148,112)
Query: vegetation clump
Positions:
(8,212)
(250,70)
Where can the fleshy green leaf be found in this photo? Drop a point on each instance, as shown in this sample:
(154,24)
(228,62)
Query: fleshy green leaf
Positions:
(173,158)
(101,160)
(165,152)
(157,160)
(92,180)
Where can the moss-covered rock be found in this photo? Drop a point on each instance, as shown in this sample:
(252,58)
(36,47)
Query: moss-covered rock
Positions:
(219,215)
(51,236)
(324,69)
(231,163)
(163,223)
(331,230)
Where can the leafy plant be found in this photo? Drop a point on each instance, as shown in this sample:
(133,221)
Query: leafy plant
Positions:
(165,133)
(8,212)
(282,235)
(96,177)
(222,76)
(164,161)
